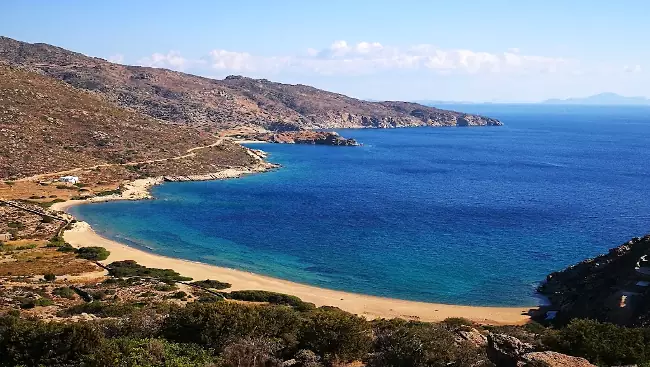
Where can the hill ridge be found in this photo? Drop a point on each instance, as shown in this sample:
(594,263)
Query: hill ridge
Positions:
(222,104)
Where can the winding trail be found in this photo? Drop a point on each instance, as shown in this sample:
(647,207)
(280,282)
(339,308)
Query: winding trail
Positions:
(188,153)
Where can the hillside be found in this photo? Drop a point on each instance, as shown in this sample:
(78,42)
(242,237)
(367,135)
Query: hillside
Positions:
(221,104)
(612,287)
(49,126)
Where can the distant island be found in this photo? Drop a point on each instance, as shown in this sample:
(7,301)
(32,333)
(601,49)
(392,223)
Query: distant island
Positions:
(611,99)
(601,99)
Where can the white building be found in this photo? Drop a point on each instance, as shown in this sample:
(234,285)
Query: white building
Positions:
(69,179)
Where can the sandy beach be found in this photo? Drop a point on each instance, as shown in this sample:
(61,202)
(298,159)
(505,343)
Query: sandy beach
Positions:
(368,306)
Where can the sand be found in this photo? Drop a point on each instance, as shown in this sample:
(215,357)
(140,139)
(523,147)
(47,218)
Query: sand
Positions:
(368,306)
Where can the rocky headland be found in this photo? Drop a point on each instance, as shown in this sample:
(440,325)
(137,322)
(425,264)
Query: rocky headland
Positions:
(613,287)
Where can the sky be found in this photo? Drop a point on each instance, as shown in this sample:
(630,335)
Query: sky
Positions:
(478,50)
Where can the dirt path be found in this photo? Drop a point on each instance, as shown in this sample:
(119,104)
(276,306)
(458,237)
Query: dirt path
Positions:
(188,153)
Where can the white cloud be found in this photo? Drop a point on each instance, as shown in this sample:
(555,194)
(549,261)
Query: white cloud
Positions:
(632,68)
(171,60)
(363,58)
(117,58)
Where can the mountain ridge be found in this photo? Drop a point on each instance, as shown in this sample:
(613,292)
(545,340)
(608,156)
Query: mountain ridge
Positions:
(606,98)
(221,104)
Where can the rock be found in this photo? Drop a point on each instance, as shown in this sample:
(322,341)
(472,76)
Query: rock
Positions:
(554,359)
(307,137)
(505,351)
(473,336)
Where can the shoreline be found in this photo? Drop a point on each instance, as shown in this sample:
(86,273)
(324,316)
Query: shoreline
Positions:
(368,306)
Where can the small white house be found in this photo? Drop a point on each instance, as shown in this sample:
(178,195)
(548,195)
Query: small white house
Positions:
(69,179)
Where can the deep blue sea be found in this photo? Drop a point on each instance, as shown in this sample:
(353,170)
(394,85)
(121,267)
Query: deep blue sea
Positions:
(475,216)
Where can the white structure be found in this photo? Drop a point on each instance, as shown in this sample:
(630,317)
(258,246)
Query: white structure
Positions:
(69,179)
(5,236)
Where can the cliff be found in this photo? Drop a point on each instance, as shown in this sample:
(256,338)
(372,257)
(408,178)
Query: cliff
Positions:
(221,104)
(613,287)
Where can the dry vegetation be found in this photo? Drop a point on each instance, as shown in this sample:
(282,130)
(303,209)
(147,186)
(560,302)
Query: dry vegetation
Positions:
(32,258)
(209,103)
(49,126)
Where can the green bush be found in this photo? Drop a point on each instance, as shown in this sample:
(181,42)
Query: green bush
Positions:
(408,343)
(601,343)
(102,309)
(64,292)
(179,295)
(149,352)
(336,335)
(212,284)
(165,287)
(66,247)
(214,325)
(109,192)
(94,253)
(129,268)
(49,277)
(271,297)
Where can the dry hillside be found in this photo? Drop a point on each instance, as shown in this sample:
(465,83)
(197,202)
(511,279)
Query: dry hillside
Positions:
(48,126)
(234,101)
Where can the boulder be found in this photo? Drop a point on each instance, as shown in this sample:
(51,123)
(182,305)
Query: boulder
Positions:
(473,336)
(553,359)
(506,351)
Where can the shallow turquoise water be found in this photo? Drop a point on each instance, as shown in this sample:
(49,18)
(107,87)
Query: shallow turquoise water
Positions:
(472,216)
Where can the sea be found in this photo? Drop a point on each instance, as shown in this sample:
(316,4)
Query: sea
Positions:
(457,215)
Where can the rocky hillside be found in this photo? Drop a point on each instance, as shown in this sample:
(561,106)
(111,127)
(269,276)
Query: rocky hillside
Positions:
(234,101)
(614,287)
(47,126)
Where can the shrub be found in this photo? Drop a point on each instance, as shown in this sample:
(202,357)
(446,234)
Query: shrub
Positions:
(336,335)
(271,297)
(102,309)
(37,343)
(93,253)
(64,292)
(601,343)
(66,247)
(213,284)
(149,352)
(129,268)
(49,277)
(179,295)
(457,322)
(214,325)
(409,343)
(31,303)
(109,192)
(165,287)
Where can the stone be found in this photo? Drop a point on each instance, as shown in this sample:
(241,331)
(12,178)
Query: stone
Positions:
(506,351)
(554,359)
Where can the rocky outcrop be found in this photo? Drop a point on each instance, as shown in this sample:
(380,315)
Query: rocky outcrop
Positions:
(221,104)
(553,359)
(307,137)
(508,351)
(611,287)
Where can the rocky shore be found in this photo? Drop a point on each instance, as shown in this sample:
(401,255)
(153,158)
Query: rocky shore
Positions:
(613,287)
(307,137)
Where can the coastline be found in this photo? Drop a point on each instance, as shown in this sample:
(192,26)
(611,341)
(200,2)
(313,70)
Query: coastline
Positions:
(371,307)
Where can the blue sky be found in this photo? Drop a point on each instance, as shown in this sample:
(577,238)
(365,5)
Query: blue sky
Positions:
(442,50)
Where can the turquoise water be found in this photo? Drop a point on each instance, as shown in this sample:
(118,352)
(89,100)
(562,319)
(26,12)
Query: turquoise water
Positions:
(473,216)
